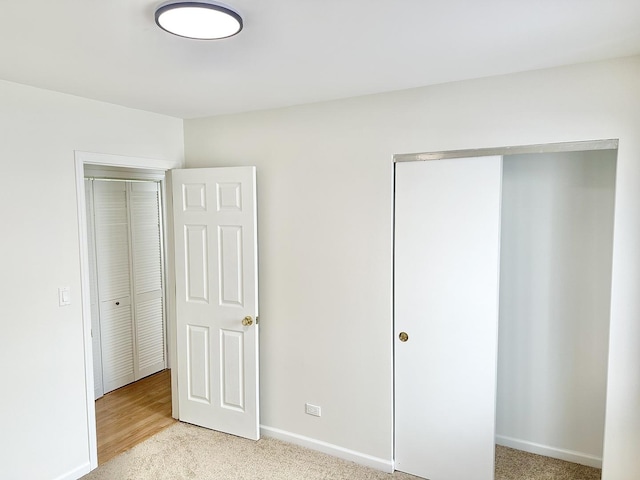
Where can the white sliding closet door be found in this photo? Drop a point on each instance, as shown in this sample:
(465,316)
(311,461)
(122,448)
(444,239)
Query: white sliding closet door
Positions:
(447,234)
(114,283)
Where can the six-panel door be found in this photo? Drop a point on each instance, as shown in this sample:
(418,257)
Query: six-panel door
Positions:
(216,289)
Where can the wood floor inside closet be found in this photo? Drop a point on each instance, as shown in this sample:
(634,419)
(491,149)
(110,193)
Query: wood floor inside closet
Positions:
(131,414)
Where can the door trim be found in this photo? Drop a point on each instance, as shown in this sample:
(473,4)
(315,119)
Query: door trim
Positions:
(608,144)
(90,158)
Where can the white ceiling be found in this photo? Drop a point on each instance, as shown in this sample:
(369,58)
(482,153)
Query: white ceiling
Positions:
(299,51)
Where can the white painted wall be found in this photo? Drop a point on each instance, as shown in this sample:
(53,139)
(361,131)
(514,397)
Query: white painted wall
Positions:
(325,234)
(44,432)
(555,284)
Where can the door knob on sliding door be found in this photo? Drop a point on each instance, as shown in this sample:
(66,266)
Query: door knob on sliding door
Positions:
(246,321)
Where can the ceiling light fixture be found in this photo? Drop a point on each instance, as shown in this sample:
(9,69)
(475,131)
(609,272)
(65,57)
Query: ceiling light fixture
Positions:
(202,20)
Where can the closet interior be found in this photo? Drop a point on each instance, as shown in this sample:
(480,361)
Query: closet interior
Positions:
(555,289)
(124,221)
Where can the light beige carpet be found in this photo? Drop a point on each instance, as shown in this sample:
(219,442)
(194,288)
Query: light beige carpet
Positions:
(517,465)
(184,451)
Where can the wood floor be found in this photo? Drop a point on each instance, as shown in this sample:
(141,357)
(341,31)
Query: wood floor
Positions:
(131,414)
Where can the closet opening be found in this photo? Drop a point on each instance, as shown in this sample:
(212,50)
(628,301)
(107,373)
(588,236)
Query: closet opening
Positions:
(125,232)
(556,251)
(502,292)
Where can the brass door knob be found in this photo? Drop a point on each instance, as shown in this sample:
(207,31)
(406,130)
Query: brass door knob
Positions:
(403,336)
(246,321)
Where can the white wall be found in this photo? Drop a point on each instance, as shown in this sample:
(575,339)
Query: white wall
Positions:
(325,233)
(555,284)
(44,425)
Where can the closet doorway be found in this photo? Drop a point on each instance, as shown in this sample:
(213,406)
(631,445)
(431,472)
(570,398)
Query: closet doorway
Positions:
(125,240)
(502,282)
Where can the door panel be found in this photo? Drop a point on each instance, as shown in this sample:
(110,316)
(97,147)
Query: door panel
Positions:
(230,265)
(117,343)
(149,335)
(198,358)
(112,240)
(148,292)
(216,285)
(196,266)
(231,369)
(447,229)
(114,283)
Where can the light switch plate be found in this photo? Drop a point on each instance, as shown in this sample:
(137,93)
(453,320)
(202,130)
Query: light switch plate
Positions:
(64,296)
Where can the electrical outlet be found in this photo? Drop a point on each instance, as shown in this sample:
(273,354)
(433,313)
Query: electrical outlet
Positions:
(312,410)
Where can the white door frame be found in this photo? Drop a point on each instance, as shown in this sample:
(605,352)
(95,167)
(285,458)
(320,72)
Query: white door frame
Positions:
(82,159)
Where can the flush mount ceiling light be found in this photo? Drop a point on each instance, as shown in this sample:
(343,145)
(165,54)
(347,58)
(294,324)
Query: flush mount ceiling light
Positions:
(201,20)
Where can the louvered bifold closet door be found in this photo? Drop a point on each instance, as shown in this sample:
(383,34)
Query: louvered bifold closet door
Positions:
(114,285)
(147,278)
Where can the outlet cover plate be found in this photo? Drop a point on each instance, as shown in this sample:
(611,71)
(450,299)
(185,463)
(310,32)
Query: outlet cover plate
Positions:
(310,409)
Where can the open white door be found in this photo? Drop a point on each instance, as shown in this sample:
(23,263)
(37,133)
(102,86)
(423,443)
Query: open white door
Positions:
(216,298)
(447,235)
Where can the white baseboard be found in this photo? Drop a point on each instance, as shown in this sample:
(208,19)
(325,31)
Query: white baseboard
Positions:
(568,455)
(328,448)
(76,473)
